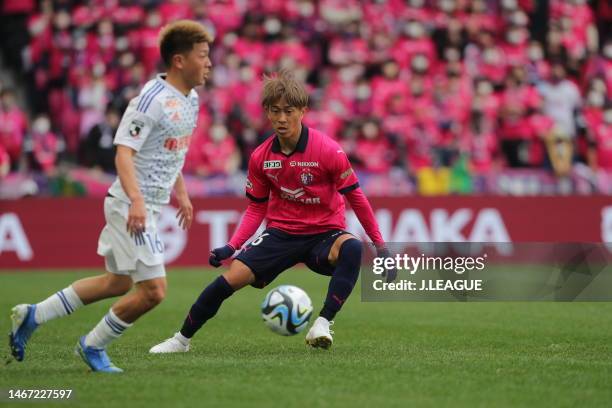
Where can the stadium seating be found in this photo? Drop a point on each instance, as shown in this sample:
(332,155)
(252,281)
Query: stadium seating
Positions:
(426,96)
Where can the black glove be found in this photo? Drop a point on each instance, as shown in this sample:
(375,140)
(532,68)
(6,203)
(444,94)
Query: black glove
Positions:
(219,254)
(389,274)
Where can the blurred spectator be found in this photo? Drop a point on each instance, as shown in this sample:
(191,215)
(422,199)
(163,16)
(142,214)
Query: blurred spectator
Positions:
(538,69)
(485,58)
(480,143)
(518,102)
(592,113)
(92,98)
(349,47)
(373,149)
(13,126)
(485,100)
(43,146)
(214,155)
(561,99)
(578,32)
(419,141)
(453,97)
(413,41)
(600,66)
(97,149)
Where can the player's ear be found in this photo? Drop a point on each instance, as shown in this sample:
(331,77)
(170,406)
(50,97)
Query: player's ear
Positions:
(178,60)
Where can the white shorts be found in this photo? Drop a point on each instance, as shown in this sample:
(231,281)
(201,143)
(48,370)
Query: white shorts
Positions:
(141,273)
(141,256)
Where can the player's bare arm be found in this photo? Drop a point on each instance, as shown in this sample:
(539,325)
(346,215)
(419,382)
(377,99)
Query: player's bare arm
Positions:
(185,211)
(124,161)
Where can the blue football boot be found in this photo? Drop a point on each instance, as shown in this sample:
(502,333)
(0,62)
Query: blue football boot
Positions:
(95,358)
(23,325)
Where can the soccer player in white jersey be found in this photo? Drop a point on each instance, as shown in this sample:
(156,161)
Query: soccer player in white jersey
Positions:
(152,142)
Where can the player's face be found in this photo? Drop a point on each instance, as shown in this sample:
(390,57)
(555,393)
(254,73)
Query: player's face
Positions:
(285,119)
(197,65)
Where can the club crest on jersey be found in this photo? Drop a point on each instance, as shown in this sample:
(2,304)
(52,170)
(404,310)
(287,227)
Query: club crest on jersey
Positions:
(306,178)
(135,128)
(272,164)
(172,103)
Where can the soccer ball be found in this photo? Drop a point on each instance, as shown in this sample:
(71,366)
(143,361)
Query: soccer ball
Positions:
(286,310)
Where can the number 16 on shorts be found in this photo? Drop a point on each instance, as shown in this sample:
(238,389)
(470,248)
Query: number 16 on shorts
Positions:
(153,242)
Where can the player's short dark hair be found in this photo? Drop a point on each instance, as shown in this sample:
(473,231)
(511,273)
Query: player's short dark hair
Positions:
(284,85)
(179,37)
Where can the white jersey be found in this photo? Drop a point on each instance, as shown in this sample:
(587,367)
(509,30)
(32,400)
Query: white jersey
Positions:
(158,124)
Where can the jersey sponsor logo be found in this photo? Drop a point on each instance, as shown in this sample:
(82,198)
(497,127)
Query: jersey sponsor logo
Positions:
(177,143)
(297,195)
(135,128)
(303,164)
(176,117)
(298,192)
(272,164)
(249,185)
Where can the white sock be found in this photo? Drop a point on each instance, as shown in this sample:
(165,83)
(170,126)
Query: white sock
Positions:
(109,328)
(57,305)
(184,340)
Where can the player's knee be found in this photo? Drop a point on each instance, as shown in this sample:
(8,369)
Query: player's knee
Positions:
(153,294)
(350,254)
(348,265)
(239,275)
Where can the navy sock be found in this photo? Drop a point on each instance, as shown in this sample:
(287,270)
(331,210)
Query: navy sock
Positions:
(206,306)
(344,278)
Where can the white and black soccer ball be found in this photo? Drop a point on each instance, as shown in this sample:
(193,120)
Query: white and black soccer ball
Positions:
(286,310)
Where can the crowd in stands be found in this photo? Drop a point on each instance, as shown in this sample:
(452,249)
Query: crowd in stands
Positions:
(405,86)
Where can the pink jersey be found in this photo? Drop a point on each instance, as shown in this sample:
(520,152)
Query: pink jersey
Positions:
(303,188)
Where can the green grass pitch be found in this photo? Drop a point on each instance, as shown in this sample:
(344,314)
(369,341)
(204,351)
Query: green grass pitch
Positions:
(384,354)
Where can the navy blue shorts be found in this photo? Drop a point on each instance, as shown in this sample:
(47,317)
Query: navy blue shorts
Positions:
(275,251)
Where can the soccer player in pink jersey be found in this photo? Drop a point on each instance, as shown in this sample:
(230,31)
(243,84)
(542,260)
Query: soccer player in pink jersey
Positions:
(296,180)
